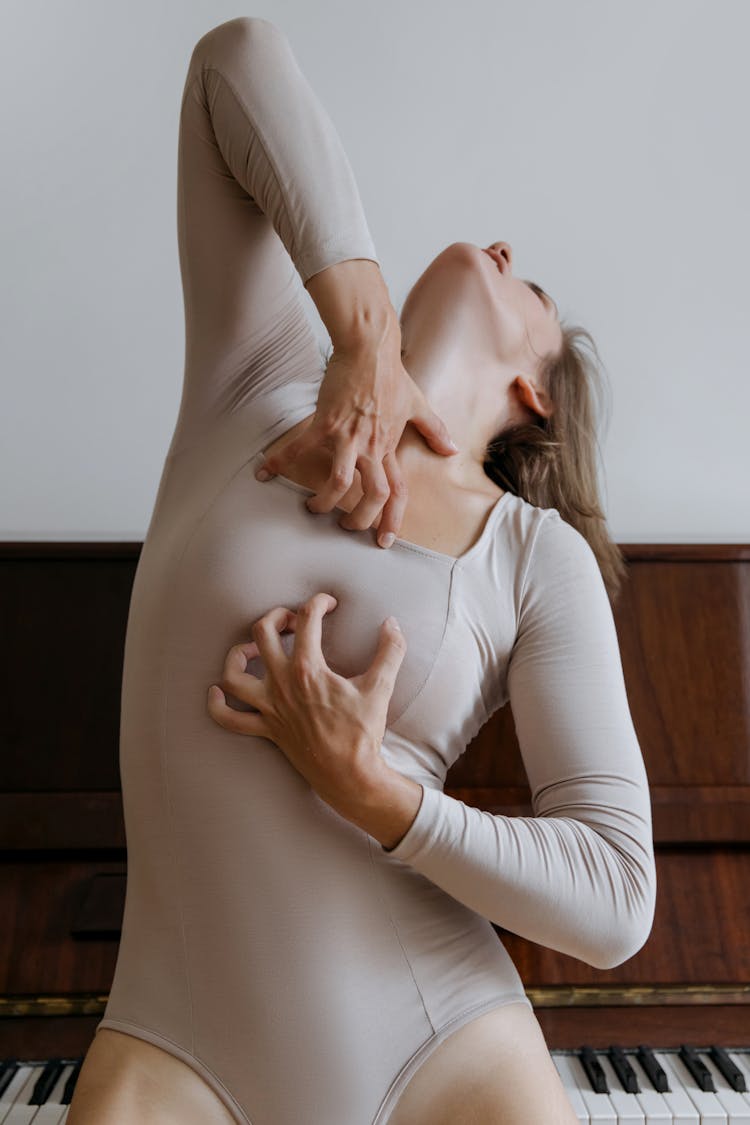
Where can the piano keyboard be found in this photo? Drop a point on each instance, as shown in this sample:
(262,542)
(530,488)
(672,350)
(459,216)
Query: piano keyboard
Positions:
(38,1091)
(671,1086)
(612,1086)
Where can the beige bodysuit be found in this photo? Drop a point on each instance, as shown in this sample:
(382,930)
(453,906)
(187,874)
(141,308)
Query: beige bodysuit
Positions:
(303,970)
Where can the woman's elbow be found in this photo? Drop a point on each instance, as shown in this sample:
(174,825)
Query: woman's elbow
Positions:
(627,930)
(238,36)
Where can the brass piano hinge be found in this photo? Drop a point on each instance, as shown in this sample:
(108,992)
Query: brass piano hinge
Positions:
(78,1004)
(628,996)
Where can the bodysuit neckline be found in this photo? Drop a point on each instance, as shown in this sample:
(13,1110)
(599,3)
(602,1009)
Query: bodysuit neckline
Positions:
(405,544)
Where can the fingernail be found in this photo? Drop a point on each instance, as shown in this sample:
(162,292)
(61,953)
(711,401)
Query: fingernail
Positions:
(263,474)
(393,623)
(387,540)
(452,445)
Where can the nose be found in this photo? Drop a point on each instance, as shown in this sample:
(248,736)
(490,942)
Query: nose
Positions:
(505,249)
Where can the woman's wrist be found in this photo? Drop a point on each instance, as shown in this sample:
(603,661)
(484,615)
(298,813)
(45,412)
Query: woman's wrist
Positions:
(354,304)
(386,806)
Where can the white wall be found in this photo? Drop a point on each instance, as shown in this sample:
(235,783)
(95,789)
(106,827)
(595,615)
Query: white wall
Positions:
(605,141)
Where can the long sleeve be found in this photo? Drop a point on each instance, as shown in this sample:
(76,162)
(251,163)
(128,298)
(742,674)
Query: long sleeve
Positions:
(578,876)
(266,198)
(279,142)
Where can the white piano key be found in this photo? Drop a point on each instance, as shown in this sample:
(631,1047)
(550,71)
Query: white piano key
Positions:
(681,1109)
(601,1110)
(598,1106)
(49,1115)
(628,1107)
(734,1102)
(708,1105)
(571,1088)
(9,1095)
(52,1111)
(654,1104)
(20,1112)
(741,1060)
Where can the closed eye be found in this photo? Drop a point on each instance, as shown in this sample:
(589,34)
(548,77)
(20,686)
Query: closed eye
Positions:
(549,303)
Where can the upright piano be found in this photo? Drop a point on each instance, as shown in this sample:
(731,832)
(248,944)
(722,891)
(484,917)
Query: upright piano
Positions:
(664,1037)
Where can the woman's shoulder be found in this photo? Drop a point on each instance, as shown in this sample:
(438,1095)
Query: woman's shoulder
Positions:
(542,549)
(561,574)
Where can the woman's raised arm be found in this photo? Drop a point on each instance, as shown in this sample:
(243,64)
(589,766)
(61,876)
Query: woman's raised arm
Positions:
(266,189)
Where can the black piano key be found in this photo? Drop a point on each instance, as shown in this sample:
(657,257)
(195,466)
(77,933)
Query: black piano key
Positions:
(9,1068)
(70,1083)
(46,1082)
(593,1068)
(697,1068)
(724,1064)
(623,1070)
(655,1071)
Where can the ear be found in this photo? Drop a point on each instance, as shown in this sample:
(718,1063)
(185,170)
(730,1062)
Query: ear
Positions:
(531,397)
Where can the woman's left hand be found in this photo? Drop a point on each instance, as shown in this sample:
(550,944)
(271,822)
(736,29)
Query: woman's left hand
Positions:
(330,728)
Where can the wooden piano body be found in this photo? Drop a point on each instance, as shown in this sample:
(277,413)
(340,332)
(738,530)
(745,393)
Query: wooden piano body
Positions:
(683,621)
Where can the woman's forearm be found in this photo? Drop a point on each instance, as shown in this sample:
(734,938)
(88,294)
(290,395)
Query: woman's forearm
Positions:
(353,301)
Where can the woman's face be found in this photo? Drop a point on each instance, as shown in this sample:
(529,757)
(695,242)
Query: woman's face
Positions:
(469,297)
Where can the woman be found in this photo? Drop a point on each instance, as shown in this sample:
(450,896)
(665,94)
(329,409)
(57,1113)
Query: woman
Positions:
(307,935)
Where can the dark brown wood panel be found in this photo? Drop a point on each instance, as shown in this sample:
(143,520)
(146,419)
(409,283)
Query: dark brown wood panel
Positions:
(50,941)
(683,622)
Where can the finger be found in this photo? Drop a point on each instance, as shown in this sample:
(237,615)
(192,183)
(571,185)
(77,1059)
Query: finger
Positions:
(381,675)
(375,492)
(234,678)
(340,478)
(267,632)
(432,427)
(250,648)
(307,657)
(395,505)
(291,452)
(241,722)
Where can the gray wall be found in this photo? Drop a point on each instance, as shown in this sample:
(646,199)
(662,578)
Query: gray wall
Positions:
(605,141)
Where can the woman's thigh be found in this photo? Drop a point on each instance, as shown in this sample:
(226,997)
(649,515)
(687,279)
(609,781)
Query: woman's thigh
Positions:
(125,1079)
(495,1070)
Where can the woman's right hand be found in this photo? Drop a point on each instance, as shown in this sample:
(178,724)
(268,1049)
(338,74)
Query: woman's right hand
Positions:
(365,401)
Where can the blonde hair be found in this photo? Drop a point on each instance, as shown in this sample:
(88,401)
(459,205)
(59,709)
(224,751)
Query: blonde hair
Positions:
(551,462)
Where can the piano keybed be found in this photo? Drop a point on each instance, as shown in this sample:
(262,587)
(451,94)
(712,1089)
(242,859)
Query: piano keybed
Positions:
(606,1086)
